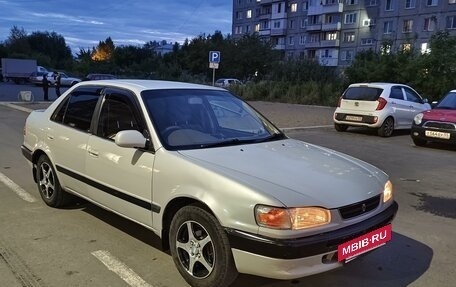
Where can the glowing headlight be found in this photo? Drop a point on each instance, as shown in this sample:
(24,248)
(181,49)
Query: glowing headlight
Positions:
(388,191)
(418,119)
(291,218)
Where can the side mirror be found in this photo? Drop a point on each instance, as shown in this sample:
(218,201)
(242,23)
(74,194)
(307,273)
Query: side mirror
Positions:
(130,138)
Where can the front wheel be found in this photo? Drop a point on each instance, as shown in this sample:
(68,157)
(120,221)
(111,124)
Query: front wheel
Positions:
(200,248)
(387,128)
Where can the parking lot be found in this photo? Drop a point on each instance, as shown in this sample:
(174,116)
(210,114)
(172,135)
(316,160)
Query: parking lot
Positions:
(84,245)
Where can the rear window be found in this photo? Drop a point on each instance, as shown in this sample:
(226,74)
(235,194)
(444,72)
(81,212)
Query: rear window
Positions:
(362,93)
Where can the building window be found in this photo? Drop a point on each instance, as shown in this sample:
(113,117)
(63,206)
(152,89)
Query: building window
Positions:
(349,37)
(264,25)
(314,38)
(369,22)
(388,27)
(247,29)
(238,15)
(331,36)
(429,24)
(279,8)
(257,27)
(350,18)
(249,14)
(389,5)
(425,48)
(326,54)
(294,7)
(351,2)
(347,55)
(291,24)
(303,23)
(406,47)
(305,5)
(451,22)
(302,40)
(367,41)
(370,3)
(432,2)
(238,30)
(291,40)
(276,24)
(407,27)
(451,1)
(409,4)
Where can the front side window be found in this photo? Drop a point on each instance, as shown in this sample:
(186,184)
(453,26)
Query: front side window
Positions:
(117,114)
(412,96)
(195,119)
(77,110)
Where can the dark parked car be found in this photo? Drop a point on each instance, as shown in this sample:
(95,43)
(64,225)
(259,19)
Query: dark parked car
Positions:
(438,124)
(92,77)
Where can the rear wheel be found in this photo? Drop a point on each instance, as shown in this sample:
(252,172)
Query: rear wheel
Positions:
(200,249)
(340,127)
(419,142)
(49,185)
(387,128)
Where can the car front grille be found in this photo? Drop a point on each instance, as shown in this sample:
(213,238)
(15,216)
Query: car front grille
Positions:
(440,125)
(359,208)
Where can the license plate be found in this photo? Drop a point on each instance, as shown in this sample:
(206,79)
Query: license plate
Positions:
(353,118)
(350,250)
(439,135)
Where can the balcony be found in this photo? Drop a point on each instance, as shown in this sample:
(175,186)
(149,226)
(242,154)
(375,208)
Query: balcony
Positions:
(279,47)
(330,43)
(311,45)
(329,62)
(325,9)
(331,26)
(278,32)
(265,32)
(264,16)
(313,27)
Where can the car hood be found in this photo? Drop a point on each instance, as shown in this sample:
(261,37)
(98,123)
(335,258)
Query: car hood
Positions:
(441,115)
(296,173)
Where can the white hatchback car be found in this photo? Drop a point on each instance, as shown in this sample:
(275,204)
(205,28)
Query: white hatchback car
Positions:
(383,106)
(224,188)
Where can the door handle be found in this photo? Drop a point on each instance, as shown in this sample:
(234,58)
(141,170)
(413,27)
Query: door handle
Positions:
(92,152)
(50,137)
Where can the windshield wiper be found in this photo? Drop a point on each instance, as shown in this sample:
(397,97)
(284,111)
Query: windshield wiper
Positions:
(228,142)
(273,137)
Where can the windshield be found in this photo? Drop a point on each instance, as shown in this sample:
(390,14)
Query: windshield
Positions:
(448,102)
(190,118)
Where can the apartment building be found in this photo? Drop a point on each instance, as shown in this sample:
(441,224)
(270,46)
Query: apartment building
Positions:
(333,31)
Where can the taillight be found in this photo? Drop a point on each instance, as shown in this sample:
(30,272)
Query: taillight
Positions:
(381,104)
(338,103)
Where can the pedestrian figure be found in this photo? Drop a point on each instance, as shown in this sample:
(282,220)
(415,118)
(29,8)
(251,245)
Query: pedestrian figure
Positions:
(57,78)
(45,84)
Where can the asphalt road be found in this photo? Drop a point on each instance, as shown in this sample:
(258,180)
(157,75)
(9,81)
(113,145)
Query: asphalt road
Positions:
(84,245)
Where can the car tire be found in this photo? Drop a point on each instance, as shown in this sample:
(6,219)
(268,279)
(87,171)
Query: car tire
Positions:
(48,184)
(387,128)
(419,142)
(200,248)
(340,127)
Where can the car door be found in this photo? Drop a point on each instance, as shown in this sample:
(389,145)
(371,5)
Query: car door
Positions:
(121,178)
(399,105)
(415,103)
(68,134)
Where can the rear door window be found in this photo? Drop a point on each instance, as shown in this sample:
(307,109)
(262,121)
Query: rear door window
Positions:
(362,93)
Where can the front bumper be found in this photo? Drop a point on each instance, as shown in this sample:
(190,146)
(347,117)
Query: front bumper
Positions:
(419,132)
(298,257)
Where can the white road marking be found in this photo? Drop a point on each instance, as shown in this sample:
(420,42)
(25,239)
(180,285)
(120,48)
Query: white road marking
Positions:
(16,188)
(122,270)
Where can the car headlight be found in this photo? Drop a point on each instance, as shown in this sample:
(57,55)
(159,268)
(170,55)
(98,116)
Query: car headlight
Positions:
(388,191)
(291,218)
(418,119)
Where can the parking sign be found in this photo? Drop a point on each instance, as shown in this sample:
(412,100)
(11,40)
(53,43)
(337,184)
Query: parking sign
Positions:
(214,57)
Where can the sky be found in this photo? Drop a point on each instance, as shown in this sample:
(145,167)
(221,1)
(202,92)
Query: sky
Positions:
(84,23)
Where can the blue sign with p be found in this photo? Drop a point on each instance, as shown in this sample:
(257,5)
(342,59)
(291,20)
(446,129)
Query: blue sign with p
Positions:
(214,57)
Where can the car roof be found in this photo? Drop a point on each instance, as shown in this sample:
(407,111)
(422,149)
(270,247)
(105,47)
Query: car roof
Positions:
(377,84)
(141,85)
